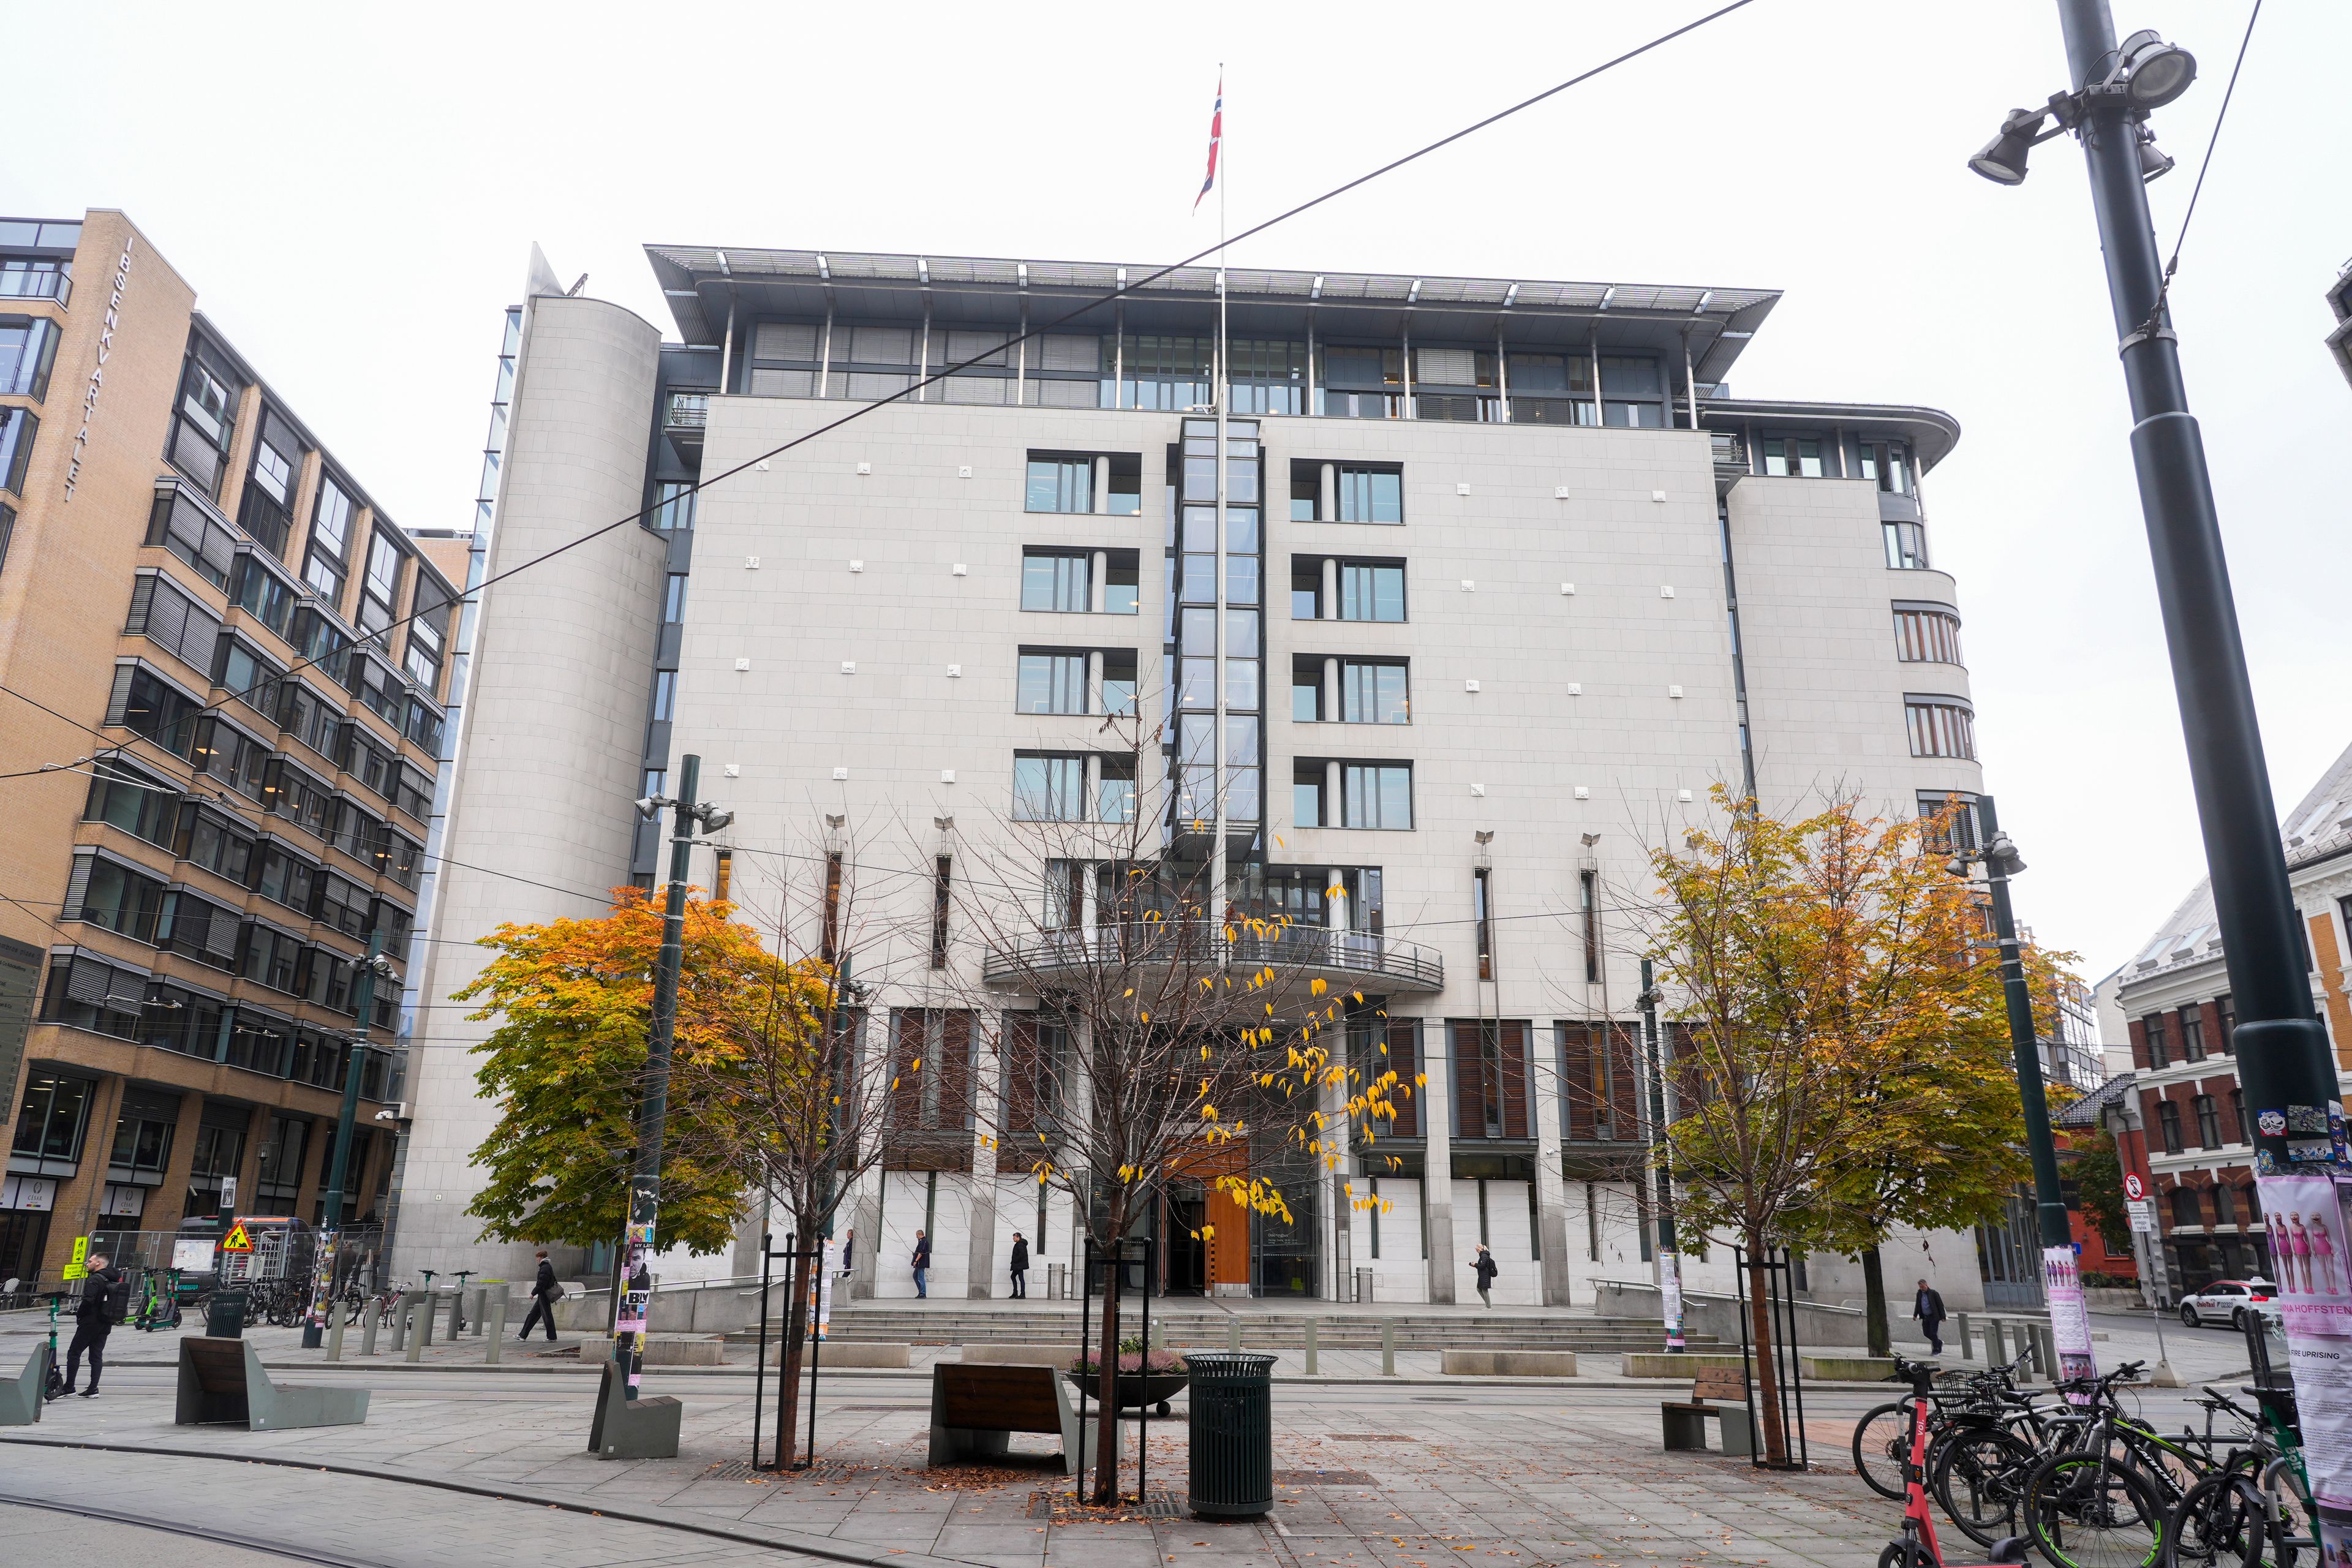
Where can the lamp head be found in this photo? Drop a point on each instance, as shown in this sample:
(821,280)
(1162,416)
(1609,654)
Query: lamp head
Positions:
(2153,160)
(2002,159)
(712,821)
(649,806)
(2152,72)
(1483,836)
(1958,866)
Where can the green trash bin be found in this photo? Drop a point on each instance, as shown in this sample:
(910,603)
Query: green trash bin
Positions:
(225,1315)
(1232,1431)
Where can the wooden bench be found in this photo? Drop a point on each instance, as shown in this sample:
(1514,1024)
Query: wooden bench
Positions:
(975,1410)
(222,1380)
(626,1429)
(1685,1421)
(22,1397)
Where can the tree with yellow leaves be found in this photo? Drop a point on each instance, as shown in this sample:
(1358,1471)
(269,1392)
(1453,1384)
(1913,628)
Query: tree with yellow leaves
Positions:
(1845,1062)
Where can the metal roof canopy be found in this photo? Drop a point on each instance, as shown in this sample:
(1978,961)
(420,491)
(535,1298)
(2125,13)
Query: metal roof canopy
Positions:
(700,282)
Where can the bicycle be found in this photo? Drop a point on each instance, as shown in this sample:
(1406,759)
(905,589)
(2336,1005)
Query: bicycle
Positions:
(2240,1514)
(2102,1500)
(1882,1436)
(1918,1547)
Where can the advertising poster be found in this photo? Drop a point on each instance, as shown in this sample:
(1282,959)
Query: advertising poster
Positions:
(636,1300)
(829,1264)
(193,1256)
(2070,1320)
(1670,1294)
(2308,1216)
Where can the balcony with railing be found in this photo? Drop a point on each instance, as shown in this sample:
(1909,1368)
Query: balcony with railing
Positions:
(1297,955)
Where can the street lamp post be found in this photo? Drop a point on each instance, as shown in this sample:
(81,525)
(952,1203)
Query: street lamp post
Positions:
(322,1295)
(653,1105)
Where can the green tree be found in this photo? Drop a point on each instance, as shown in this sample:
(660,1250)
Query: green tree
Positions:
(2098,1176)
(573,1000)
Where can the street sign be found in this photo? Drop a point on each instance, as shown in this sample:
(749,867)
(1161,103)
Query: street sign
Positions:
(78,1266)
(2143,1217)
(228,1194)
(237,1241)
(2133,1188)
(193,1256)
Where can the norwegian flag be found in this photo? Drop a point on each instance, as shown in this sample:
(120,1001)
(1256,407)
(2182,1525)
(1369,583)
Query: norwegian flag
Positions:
(1216,140)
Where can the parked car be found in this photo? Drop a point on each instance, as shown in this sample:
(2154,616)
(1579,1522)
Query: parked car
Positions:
(2228,1302)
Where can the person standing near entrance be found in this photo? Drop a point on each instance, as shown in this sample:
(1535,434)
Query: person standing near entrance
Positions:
(104,1295)
(922,1261)
(1928,1306)
(1019,1267)
(544,1294)
(848,1245)
(1483,1265)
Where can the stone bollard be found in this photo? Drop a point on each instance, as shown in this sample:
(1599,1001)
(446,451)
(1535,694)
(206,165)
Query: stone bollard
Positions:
(335,1330)
(420,1329)
(368,1318)
(1233,1333)
(1312,1369)
(1960,1328)
(456,1314)
(494,1326)
(2045,1351)
(426,1310)
(1996,1343)
(1388,1347)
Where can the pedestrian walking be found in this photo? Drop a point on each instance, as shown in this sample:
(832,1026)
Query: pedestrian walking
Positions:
(848,1245)
(1019,1267)
(922,1261)
(1928,1306)
(1483,1265)
(105,1296)
(544,1294)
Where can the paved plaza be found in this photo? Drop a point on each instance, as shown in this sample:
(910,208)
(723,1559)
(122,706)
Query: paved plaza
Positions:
(463,1464)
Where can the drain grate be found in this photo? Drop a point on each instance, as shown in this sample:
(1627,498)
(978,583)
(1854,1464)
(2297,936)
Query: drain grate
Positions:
(822,1409)
(1321,1478)
(737,1470)
(1160,1505)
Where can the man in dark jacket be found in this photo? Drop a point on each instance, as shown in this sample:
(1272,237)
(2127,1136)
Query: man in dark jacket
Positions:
(1928,1306)
(923,1263)
(104,1295)
(1019,1266)
(544,1294)
(1483,1267)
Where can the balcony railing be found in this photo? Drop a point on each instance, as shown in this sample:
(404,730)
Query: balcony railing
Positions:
(689,410)
(1364,959)
(36,280)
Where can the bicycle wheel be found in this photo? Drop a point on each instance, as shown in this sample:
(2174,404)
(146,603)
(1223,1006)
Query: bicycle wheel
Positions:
(2220,1524)
(2090,1511)
(1882,1442)
(1977,1478)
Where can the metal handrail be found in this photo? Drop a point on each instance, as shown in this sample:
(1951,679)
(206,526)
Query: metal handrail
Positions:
(689,410)
(1304,948)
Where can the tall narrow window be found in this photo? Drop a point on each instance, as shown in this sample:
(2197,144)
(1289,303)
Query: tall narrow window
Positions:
(2192,1033)
(380,588)
(1926,634)
(1377,795)
(2158,1058)
(1058,483)
(1940,727)
(1370,495)
(941,869)
(1051,683)
(1588,893)
(1482,914)
(326,564)
(1055,580)
(1375,691)
(832,939)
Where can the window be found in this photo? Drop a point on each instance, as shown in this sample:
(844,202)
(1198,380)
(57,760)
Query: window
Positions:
(1490,1077)
(211,841)
(379,591)
(267,512)
(7,529)
(263,595)
(1306,588)
(1926,634)
(50,1123)
(2167,1120)
(146,704)
(1048,787)
(1056,580)
(674,600)
(1940,727)
(1377,795)
(114,897)
(1482,917)
(1307,691)
(673,505)
(1115,793)
(28,350)
(1118,685)
(1793,456)
(2238,1116)
(1632,394)
(126,798)
(1051,683)
(1370,495)
(1962,831)
(168,618)
(343,904)
(179,525)
(428,635)
(2157,1058)
(244,675)
(326,562)
(202,421)
(2187,1210)
(2209,1121)
(2192,1033)
(2225,1014)
(664,695)
(1058,483)
(1371,591)
(36,277)
(1588,893)
(1307,805)
(18,426)
(1887,464)
(1906,546)
(1373,691)
(284,878)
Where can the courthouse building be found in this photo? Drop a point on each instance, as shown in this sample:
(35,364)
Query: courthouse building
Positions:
(1509,578)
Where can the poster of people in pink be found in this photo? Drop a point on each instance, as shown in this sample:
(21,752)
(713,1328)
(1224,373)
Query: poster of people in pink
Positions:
(2070,1321)
(2308,1218)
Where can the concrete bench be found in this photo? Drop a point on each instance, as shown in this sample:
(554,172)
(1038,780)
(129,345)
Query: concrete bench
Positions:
(1017,1355)
(1508,1364)
(222,1382)
(628,1428)
(1685,1421)
(22,1397)
(660,1350)
(975,1410)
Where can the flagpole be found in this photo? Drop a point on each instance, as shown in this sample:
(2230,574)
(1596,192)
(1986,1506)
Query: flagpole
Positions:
(1223,392)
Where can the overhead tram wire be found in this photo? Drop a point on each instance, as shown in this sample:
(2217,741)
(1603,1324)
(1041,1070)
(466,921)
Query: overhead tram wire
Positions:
(2164,284)
(1094,303)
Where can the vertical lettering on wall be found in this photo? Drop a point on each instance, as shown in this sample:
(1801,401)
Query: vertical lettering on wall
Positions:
(107,324)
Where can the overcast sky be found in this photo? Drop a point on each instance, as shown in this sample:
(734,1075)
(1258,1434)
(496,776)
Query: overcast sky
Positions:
(354,203)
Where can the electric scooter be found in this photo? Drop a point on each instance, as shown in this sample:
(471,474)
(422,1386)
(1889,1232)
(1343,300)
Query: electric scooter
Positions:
(1917,1547)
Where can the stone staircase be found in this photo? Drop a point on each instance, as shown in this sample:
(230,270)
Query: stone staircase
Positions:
(1189,1325)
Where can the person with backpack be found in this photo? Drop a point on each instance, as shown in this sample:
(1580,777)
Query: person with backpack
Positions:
(1483,1265)
(105,1297)
(544,1294)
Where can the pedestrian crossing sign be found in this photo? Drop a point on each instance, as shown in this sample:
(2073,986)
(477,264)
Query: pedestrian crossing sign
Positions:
(237,1241)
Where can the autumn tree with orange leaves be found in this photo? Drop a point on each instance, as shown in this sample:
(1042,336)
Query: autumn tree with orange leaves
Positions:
(565,1065)
(1845,1037)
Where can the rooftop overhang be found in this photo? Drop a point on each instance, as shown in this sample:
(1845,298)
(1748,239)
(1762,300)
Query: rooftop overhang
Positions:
(1931,432)
(702,283)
